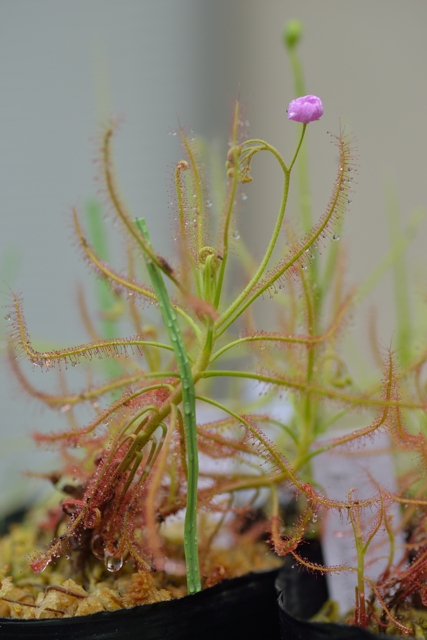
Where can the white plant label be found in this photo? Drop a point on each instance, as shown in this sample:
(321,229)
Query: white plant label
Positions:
(336,472)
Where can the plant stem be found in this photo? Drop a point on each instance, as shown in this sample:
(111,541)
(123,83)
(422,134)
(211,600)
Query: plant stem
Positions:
(189,405)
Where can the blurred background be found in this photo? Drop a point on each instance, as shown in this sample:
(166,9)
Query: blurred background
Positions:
(66,65)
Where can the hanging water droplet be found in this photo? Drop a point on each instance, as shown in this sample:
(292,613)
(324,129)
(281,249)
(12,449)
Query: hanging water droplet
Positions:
(236,235)
(8,317)
(243,196)
(349,201)
(335,237)
(304,267)
(314,517)
(112,563)
(208,204)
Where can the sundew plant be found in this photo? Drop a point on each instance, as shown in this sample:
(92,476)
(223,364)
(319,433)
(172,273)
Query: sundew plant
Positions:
(136,463)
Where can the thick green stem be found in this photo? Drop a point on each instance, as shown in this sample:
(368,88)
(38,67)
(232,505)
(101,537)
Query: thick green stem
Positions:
(189,405)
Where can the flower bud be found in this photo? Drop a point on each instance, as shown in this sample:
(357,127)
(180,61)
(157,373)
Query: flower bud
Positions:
(292,33)
(305,109)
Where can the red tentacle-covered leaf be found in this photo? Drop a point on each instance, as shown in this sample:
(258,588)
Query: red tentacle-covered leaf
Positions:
(217,444)
(109,511)
(123,408)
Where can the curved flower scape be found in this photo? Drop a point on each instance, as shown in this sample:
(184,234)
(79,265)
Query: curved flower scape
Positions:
(305,109)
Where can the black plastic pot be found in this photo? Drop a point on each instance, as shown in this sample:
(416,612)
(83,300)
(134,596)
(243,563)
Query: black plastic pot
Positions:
(266,605)
(240,609)
(301,594)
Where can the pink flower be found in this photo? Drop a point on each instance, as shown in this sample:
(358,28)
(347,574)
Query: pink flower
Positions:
(305,109)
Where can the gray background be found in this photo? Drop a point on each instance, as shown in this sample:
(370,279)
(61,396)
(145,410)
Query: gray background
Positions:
(65,64)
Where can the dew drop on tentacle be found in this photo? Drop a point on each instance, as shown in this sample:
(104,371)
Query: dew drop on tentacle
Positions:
(112,563)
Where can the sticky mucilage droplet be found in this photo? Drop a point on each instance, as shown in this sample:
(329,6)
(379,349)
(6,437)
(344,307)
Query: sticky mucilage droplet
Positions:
(112,563)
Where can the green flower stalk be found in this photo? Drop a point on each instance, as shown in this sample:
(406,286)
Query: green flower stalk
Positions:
(189,404)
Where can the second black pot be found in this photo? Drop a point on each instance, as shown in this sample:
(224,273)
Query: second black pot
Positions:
(301,594)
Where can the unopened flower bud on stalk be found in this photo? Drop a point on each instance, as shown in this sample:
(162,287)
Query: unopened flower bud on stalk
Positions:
(305,109)
(292,33)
